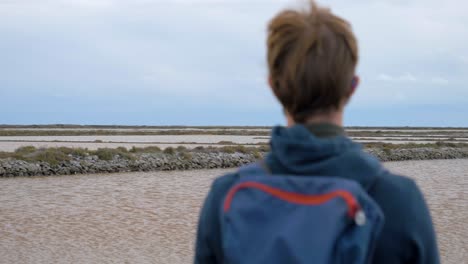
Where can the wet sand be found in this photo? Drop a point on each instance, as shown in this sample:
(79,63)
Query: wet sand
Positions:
(151,217)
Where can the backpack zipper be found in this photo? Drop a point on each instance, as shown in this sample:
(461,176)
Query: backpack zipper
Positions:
(297,198)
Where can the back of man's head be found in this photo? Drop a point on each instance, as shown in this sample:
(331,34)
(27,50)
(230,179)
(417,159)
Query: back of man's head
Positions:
(312,56)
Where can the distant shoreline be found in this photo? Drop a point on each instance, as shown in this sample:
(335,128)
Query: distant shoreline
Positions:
(74,126)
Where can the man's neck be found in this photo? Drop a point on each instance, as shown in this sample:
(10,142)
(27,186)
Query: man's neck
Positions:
(335,118)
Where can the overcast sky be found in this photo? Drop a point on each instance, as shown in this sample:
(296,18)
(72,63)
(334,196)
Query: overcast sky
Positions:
(202,62)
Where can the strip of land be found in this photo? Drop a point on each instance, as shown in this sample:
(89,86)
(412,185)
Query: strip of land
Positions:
(75,149)
(31,161)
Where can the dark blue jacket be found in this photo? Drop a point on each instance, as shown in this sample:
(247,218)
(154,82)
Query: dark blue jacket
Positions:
(408,234)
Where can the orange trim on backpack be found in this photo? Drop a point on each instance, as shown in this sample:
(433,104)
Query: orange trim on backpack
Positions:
(297,198)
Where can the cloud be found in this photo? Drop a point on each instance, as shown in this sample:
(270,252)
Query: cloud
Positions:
(464,59)
(411,78)
(440,80)
(407,77)
(88,3)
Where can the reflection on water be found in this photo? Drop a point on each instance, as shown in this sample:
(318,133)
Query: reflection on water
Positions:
(151,217)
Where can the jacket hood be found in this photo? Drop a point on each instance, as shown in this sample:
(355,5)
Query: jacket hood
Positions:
(295,150)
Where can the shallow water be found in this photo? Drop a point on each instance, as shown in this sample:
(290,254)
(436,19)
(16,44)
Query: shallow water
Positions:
(396,142)
(191,141)
(151,217)
(10,144)
(407,130)
(138,129)
(140,139)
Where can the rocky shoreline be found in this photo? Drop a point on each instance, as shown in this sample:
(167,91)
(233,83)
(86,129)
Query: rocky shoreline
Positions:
(10,167)
(385,155)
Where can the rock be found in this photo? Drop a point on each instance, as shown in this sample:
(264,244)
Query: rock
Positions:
(198,160)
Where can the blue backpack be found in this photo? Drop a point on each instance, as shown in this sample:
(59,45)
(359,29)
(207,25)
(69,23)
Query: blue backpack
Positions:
(294,219)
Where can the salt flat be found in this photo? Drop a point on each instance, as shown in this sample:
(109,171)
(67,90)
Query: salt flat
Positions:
(151,217)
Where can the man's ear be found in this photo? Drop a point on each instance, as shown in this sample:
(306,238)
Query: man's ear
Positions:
(270,81)
(354,85)
(352,89)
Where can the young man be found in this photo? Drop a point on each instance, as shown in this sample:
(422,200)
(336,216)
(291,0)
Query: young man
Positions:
(312,57)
